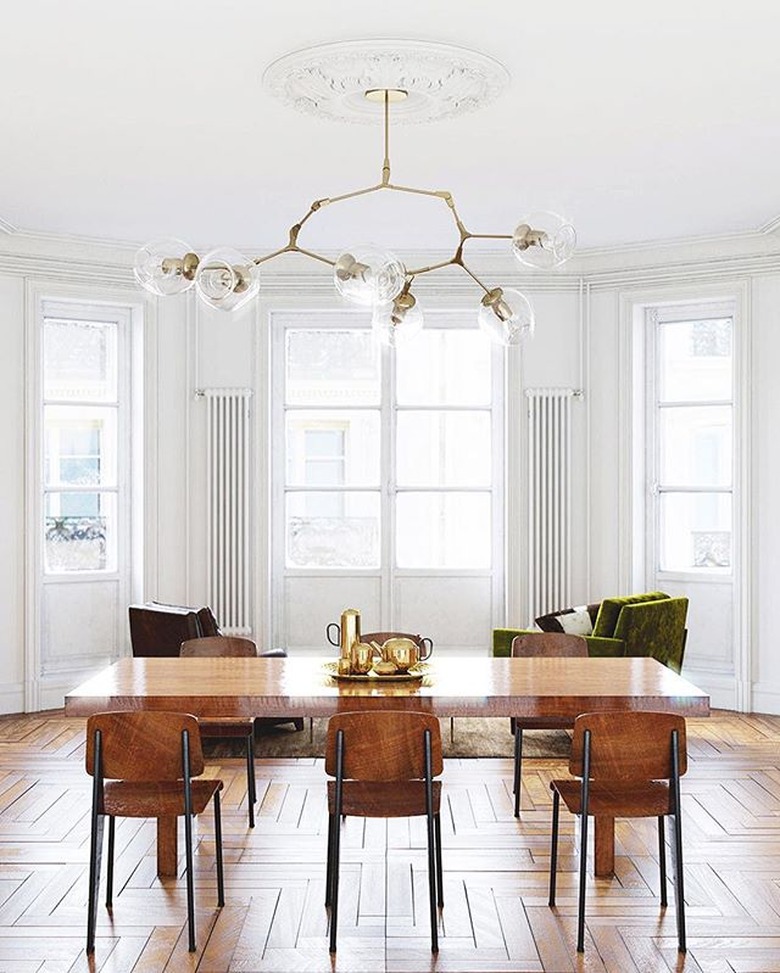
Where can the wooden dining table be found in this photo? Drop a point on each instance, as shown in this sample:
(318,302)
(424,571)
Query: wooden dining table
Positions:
(451,686)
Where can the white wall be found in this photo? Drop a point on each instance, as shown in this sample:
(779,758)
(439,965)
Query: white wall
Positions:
(580,341)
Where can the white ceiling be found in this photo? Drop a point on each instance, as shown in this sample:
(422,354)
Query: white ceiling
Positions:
(146,119)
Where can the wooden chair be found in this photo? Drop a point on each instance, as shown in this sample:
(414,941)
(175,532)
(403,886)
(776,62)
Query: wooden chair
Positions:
(234,729)
(144,764)
(629,765)
(546,644)
(384,764)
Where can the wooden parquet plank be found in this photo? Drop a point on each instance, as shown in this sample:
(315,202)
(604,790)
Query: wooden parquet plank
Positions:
(496,871)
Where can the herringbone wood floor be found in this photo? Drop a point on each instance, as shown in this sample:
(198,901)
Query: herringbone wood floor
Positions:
(495,917)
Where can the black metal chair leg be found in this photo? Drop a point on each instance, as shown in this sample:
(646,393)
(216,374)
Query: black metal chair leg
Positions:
(583,843)
(188,840)
(679,884)
(334,882)
(439,866)
(518,767)
(95,844)
(96,847)
(218,842)
(110,865)
(431,843)
(679,888)
(251,795)
(332,825)
(662,859)
(554,847)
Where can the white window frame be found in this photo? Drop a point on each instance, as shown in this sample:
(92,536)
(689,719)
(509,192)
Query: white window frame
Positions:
(732,689)
(82,303)
(387,407)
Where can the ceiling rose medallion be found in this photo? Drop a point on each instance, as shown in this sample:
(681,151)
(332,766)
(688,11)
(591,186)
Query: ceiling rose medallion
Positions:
(361,81)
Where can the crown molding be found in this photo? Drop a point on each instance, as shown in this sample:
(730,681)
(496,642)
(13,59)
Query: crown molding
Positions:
(6,227)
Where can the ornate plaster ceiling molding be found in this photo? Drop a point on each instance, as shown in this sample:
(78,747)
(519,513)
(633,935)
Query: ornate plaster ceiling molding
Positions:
(330,80)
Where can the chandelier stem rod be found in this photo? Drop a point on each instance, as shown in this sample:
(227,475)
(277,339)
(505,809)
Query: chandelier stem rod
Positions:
(315,256)
(426,270)
(352,195)
(386,164)
(475,278)
(489,236)
(270,256)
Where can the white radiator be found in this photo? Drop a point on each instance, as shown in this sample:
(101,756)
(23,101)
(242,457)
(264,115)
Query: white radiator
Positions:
(549,499)
(227,522)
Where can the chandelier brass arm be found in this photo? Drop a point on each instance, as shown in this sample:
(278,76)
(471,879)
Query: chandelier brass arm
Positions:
(226,279)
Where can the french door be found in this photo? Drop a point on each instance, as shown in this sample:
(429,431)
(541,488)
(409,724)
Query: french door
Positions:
(387,480)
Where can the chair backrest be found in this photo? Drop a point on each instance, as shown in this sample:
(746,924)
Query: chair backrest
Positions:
(229,646)
(628,747)
(384,745)
(143,745)
(549,644)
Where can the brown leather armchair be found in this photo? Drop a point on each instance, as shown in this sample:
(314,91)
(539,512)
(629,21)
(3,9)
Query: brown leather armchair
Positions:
(157,629)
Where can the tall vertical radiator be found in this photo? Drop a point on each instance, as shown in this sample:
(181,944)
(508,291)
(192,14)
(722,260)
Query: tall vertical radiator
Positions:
(549,499)
(228,510)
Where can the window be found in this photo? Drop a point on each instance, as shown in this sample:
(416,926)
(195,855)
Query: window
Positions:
(81,401)
(692,419)
(387,466)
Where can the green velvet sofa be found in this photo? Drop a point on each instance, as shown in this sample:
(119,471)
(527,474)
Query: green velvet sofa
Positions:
(635,625)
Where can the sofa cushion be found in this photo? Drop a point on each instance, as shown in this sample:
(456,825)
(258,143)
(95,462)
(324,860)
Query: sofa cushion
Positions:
(552,622)
(610,609)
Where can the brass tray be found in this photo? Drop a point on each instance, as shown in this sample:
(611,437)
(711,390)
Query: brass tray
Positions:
(416,672)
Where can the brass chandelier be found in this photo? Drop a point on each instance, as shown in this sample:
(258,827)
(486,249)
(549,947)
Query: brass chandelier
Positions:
(367,276)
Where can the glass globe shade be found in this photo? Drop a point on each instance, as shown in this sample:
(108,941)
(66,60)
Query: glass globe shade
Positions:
(506,316)
(393,324)
(226,279)
(165,267)
(368,276)
(544,240)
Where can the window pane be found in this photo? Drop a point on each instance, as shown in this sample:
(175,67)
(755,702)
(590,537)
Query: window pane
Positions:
(695,531)
(80,360)
(329,367)
(332,530)
(80,532)
(444,449)
(443,530)
(444,367)
(332,448)
(696,446)
(695,360)
(80,444)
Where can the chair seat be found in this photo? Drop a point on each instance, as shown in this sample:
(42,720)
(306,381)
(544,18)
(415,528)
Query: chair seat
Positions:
(150,799)
(226,728)
(649,799)
(384,799)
